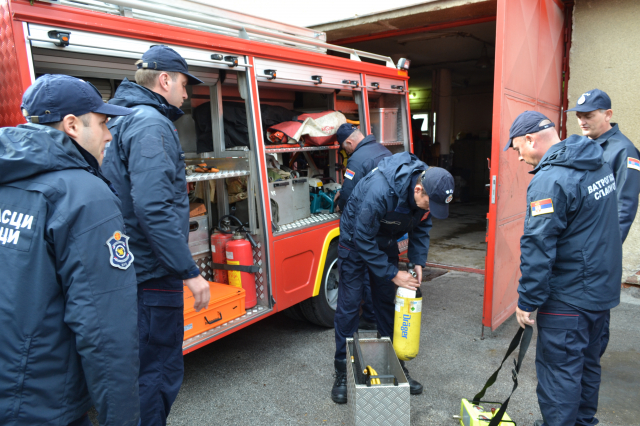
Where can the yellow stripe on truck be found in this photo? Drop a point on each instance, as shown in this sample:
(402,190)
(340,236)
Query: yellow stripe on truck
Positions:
(334,233)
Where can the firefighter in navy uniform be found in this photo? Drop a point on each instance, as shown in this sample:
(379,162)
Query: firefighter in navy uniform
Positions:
(364,155)
(146,165)
(69,336)
(571,264)
(593,111)
(395,198)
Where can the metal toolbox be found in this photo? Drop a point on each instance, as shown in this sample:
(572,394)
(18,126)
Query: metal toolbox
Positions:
(292,197)
(384,124)
(199,235)
(383,404)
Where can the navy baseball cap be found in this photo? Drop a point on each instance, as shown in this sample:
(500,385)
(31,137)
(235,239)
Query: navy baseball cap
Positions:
(526,123)
(163,58)
(53,96)
(591,101)
(344,131)
(438,184)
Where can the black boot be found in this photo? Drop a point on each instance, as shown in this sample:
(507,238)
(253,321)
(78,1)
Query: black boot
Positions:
(415,388)
(366,325)
(339,390)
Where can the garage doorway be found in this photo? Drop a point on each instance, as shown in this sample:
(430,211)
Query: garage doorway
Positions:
(451,97)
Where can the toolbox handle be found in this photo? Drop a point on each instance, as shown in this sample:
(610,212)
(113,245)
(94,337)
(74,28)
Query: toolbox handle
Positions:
(383,376)
(215,320)
(194,226)
(276,184)
(300,180)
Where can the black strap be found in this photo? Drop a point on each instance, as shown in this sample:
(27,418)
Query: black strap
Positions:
(522,338)
(241,268)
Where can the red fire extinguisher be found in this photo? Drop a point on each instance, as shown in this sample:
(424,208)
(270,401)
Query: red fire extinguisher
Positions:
(239,252)
(219,242)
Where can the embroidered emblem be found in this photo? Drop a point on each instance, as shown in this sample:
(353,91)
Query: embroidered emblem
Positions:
(633,163)
(541,207)
(349,174)
(582,100)
(120,255)
(449,199)
(424,216)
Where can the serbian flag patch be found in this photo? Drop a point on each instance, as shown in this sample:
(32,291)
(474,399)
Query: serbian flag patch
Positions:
(349,174)
(541,207)
(633,163)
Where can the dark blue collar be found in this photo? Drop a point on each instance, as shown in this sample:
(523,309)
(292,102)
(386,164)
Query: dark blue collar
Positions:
(367,140)
(606,135)
(93,166)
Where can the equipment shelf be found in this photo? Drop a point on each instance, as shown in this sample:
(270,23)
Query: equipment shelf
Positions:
(394,143)
(277,149)
(315,219)
(252,313)
(222,174)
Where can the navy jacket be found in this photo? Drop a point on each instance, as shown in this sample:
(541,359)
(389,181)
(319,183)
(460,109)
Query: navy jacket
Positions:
(145,163)
(617,150)
(69,335)
(571,248)
(380,210)
(365,158)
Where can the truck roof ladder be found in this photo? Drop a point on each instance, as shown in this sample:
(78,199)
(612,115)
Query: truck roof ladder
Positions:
(197,14)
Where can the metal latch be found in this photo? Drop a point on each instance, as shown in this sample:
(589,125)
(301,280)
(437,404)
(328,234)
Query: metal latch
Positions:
(233,61)
(62,37)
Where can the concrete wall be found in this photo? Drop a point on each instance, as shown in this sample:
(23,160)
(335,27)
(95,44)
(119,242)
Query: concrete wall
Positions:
(605,54)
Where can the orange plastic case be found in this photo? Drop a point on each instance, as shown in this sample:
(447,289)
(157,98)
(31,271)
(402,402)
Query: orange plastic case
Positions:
(226,303)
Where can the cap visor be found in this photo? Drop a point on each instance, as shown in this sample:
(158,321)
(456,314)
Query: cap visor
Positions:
(508,145)
(439,211)
(582,108)
(192,81)
(113,110)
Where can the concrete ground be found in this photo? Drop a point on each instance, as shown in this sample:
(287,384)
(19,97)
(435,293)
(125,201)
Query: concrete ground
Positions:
(460,239)
(280,372)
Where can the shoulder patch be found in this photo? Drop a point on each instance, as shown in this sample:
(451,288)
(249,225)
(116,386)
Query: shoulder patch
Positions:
(119,254)
(349,174)
(541,207)
(633,163)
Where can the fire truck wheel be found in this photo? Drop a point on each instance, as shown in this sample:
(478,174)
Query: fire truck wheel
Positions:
(321,309)
(295,313)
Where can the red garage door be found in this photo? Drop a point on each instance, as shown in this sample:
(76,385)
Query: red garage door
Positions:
(528,76)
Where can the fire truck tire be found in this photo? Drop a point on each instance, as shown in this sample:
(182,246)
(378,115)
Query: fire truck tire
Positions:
(295,313)
(321,309)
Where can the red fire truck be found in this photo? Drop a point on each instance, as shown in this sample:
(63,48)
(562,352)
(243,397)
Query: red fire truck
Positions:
(248,65)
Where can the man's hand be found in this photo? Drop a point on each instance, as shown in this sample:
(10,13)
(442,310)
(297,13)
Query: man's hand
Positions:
(406,280)
(335,197)
(523,317)
(418,270)
(200,289)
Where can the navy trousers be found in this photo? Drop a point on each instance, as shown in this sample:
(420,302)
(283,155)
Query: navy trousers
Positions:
(351,291)
(367,303)
(605,334)
(161,326)
(568,363)
(82,421)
